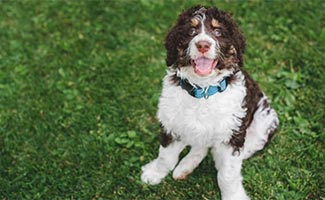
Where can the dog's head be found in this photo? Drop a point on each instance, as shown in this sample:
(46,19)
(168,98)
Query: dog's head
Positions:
(205,41)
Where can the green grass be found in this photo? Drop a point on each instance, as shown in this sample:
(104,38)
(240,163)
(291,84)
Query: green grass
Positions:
(79,87)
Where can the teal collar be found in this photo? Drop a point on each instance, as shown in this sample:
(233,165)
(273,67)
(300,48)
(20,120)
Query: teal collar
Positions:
(205,92)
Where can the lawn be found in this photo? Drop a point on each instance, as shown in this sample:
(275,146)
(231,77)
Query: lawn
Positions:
(79,87)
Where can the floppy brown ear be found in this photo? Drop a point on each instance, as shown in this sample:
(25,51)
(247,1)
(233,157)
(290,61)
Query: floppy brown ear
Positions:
(238,38)
(171,47)
(239,43)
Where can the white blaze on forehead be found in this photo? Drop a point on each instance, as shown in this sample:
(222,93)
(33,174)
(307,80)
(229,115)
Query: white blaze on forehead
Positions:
(201,18)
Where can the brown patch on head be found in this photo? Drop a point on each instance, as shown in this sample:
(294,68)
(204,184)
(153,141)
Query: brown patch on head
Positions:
(230,61)
(194,22)
(215,23)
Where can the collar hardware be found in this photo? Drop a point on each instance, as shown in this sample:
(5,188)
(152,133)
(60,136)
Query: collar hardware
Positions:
(205,92)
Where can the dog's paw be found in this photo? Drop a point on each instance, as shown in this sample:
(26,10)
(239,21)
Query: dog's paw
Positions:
(181,172)
(238,194)
(189,162)
(151,174)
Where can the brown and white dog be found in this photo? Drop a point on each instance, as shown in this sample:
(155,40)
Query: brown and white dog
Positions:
(209,102)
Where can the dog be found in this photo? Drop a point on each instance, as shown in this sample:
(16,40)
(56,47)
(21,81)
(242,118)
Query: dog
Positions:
(209,102)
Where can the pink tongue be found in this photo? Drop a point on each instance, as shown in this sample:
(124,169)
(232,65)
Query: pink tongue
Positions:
(203,66)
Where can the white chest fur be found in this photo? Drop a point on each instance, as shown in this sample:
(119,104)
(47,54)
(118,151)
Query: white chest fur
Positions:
(202,121)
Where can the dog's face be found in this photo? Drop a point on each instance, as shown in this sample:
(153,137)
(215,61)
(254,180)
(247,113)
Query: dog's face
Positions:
(205,41)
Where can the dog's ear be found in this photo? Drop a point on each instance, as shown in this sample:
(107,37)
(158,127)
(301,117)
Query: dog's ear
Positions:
(171,46)
(239,43)
(237,37)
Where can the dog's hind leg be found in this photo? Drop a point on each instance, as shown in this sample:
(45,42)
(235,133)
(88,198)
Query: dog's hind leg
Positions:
(261,129)
(189,162)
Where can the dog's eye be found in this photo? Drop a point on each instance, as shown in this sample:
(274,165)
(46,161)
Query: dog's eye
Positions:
(217,32)
(192,31)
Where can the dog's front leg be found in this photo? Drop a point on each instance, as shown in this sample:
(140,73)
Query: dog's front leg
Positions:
(229,174)
(156,170)
(190,162)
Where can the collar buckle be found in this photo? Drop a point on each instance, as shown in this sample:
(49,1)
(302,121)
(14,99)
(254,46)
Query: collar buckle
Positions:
(206,93)
(198,92)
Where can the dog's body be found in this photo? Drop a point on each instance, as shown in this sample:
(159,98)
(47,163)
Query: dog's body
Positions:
(208,101)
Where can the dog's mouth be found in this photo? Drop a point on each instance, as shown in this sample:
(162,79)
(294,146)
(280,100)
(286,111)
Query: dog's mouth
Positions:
(203,66)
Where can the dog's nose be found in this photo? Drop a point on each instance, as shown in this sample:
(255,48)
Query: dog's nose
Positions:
(203,46)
